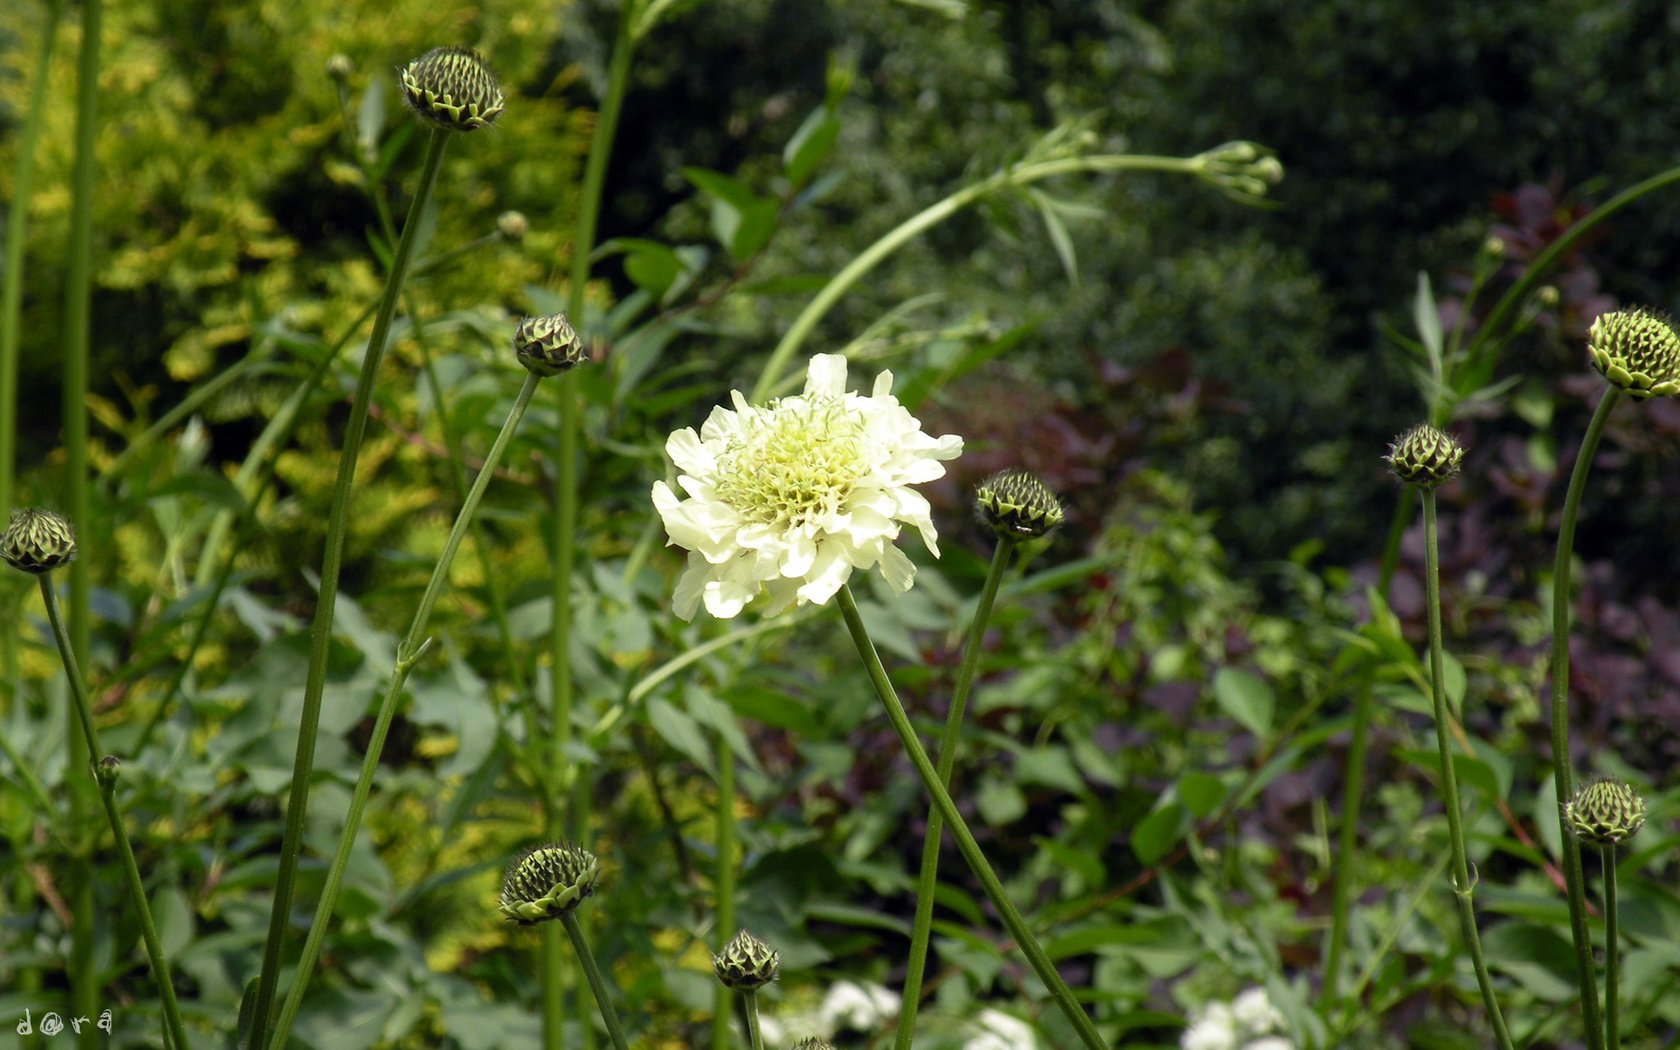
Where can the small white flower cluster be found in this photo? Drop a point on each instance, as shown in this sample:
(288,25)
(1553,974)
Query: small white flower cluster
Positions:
(1000,1031)
(1248,1022)
(847,1007)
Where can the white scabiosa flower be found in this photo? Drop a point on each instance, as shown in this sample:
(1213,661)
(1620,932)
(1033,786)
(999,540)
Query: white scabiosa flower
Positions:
(1001,1031)
(1214,1028)
(790,498)
(857,1007)
(1255,1013)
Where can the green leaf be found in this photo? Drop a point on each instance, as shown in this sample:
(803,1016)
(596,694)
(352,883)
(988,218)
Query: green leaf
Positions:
(174,918)
(1159,832)
(810,145)
(1201,793)
(654,269)
(1453,676)
(1428,321)
(1000,801)
(1540,958)
(1058,233)
(680,731)
(1469,771)
(1246,697)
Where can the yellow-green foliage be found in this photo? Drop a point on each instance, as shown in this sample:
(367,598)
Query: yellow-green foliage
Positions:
(225,190)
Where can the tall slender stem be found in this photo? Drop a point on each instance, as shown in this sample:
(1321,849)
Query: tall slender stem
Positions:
(320,642)
(1562,775)
(11,292)
(1612,953)
(413,646)
(603,998)
(1463,887)
(1353,772)
(566,491)
(78,322)
(977,863)
(723,886)
(107,795)
(928,879)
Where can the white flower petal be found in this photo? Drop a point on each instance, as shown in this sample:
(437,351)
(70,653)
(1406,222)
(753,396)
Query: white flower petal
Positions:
(826,374)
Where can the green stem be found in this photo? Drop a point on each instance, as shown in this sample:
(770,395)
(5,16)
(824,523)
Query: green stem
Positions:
(78,321)
(11,291)
(754,1036)
(926,219)
(970,849)
(593,973)
(566,482)
(1463,887)
(1562,775)
(927,881)
(1543,262)
(320,642)
(107,794)
(1612,953)
(414,645)
(724,884)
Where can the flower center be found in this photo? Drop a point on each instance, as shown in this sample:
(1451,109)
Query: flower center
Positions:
(795,462)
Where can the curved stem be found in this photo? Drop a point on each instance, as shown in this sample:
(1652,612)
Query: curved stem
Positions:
(414,645)
(320,642)
(926,219)
(107,795)
(593,973)
(1543,262)
(928,879)
(1612,954)
(1563,779)
(1463,887)
(970,849)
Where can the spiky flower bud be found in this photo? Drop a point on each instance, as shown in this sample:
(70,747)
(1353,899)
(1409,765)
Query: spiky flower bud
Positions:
(746,964)
(812,1043)
(1604,812)
(1016,505)
(513,225)
(547,345)
(37,541)
(1637,351)
(546,882)
(107,770)
(453,88)
(1424,456)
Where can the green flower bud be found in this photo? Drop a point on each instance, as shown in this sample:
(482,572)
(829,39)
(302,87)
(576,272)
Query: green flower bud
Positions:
(1424,456)
(1016,505)
(107,770)
(546,882)
(453,88)
(37,541)
(547,345)
(746,964)
(1637,351)
(1604,812)
(339,67)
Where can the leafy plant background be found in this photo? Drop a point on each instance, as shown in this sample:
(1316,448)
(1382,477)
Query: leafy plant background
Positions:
(1158,734)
